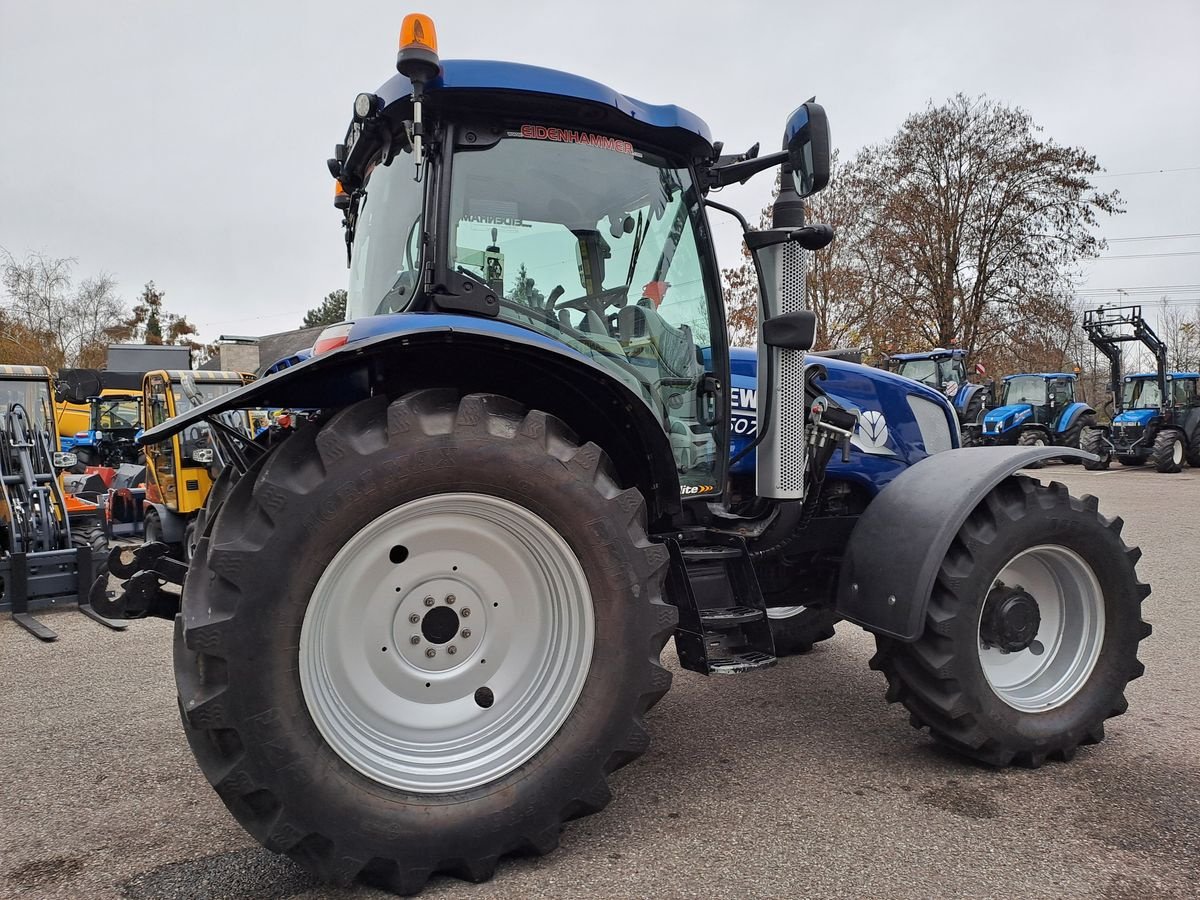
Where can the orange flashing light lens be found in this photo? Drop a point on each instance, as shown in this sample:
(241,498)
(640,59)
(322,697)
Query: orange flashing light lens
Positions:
(338,190)
(417,31)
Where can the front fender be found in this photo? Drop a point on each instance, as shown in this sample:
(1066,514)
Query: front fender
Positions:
(1071,415)
(898,544)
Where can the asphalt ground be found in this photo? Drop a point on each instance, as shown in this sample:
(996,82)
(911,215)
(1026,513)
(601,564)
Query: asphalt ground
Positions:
(799,781)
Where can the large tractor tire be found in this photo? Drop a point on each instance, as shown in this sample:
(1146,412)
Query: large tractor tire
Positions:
(1073,436)
(1168,453)
(1032,437)
(1093,442)
(198,527)
(1193,449)
(91,536)
(1032,630)
(973,416)
(419,637)
(796,628)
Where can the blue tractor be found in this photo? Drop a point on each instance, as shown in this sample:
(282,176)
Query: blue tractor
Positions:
(945,370)
(421,628)
(1038,410)
(1156,414)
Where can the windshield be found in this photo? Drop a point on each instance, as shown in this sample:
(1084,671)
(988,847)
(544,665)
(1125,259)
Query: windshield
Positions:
(592,242)
(34,396)
(196,437)
(1025,389)
(1142,393)
(386,252)
(115,415)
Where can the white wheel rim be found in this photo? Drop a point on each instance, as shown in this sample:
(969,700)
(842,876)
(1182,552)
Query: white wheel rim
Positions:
(1060,660)
(1177,452)
(515,600)
(784,612)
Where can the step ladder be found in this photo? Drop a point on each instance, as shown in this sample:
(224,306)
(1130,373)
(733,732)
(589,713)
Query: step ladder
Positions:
(723,627)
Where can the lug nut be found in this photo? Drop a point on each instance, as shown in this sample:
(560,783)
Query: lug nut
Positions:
(451,649)
(466,611)
(466,632)
(450,598)
(429,601)
(431,653)
(414,618)
(415,639)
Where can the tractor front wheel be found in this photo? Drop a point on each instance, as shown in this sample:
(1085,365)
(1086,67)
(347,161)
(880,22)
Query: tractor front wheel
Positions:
(91,536)
(796,628)
(1032,630)
(1168,452)
(1032,437)
(420,636)
(1093,442)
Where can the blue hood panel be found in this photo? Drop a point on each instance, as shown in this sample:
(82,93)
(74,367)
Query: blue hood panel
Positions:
(893,437)
(1135,417)
(1000,413)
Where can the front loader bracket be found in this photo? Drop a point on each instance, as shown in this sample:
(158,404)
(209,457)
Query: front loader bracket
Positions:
(147,571)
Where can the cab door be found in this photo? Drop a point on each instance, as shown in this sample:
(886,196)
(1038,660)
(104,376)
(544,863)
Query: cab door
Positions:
(160,458)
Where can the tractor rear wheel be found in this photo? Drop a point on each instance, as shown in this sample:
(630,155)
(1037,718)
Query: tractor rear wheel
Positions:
(796,628)
(1032,437)
(1193,450)
(1073,436)
(418,637)
(1168,452)
(973,416)
(1032,630)
(1093,442)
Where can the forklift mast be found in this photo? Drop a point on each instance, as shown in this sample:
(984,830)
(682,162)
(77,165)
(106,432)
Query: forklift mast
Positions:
(1106,329)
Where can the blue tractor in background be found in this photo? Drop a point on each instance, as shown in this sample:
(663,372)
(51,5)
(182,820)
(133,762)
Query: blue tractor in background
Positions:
(1038,410)
(1156,414)
(421,627)
(945,370)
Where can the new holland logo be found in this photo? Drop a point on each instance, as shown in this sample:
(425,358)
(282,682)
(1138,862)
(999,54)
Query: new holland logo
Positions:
(871,433)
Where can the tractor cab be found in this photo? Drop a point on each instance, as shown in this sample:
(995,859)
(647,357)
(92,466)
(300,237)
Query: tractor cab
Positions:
(1038,409)
(114,421)
(943,370)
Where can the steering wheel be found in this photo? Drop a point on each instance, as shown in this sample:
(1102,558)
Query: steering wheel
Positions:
(598,302)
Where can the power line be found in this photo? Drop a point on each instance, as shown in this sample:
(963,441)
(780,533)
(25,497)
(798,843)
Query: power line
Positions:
(1150,255)
(1152,237)
(1149,172)
(1140,289)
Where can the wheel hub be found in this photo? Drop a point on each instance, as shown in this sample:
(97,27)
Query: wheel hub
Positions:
(439,625)
(1011,619)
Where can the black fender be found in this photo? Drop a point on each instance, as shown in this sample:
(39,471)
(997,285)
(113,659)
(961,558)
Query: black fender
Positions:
(900,540)
(173,524)
(470,356)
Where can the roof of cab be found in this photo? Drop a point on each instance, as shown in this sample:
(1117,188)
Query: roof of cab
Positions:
(176,375)
(31,372)
(1046,375)
(1180,375)
(936,353)
(479,74)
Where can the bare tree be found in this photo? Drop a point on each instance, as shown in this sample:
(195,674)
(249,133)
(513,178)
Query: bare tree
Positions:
(977,223)
(62,325)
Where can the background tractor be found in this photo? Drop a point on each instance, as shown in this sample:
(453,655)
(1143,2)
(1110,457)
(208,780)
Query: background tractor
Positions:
(421,627)
(1038,410)
(110,438)
(1156,414)
(945,370)
(52,546)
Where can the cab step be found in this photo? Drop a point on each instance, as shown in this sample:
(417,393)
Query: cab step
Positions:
(723,627)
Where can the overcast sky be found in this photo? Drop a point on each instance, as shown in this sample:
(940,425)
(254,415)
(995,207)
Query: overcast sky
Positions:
(185,142)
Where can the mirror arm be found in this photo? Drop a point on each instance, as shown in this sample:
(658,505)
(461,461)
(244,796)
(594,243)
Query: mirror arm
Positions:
(719,176)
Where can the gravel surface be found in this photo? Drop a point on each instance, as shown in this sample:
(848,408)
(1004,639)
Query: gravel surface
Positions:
(799,781)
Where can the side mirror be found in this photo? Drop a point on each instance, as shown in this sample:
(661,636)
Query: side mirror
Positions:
(791,331)
(806,140)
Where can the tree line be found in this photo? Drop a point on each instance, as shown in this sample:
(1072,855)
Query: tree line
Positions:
(964,229)
(49,318)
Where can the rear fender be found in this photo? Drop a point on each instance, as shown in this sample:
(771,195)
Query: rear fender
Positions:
(173,524)
(899,542)
(406,352)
